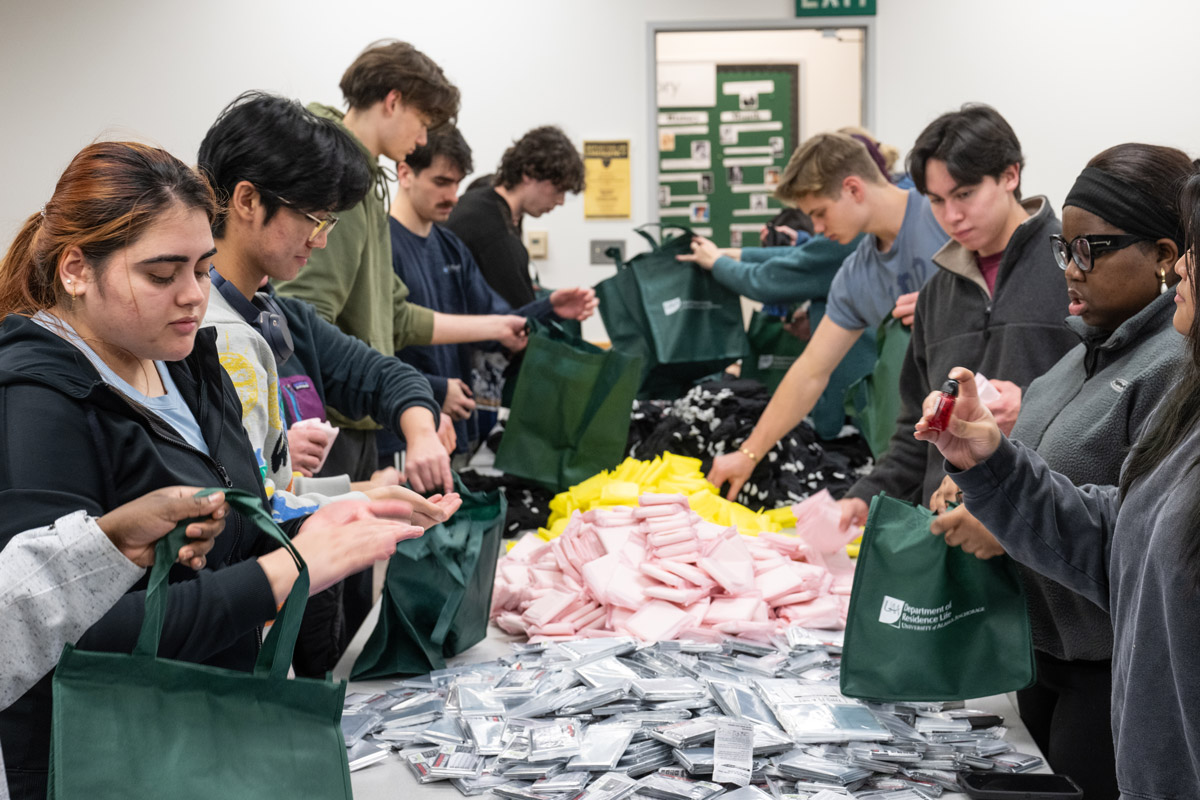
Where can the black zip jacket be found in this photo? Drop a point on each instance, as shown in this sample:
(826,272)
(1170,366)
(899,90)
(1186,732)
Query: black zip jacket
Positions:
(348,375)
(1015,334)
(69,442)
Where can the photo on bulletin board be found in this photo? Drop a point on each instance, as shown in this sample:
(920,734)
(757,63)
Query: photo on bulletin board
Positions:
(733,152)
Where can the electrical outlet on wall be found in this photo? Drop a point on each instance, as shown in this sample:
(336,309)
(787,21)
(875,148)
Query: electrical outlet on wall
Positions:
(537,243)
(598,251)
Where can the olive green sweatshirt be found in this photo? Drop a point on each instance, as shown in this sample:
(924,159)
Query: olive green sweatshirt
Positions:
(351,282)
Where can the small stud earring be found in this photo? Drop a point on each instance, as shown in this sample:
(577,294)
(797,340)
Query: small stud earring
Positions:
(1162,281)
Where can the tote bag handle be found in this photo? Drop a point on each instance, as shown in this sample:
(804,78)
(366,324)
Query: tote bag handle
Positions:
(276,654)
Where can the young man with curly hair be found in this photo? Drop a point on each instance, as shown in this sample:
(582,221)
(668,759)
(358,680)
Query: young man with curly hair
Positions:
(534,176)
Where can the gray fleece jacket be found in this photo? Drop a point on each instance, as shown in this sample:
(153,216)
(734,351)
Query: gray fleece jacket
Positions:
(1015,334)
(1128,558)
(1082,417)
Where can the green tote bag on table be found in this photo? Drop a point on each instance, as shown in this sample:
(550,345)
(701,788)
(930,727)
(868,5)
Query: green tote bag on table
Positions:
(437,596)
(676,318)
(928,621)
(138,725)
(772,350)
(570,409)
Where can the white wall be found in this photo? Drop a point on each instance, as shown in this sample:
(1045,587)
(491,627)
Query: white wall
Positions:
(1072,76)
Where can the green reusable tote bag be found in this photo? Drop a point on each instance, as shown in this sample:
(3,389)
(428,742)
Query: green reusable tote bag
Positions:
(874,400)
(772,350)
(437,596)
(678,319)
(570,409)
(928,621)
(136,725)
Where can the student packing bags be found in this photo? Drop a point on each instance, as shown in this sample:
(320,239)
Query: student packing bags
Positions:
(928,621)
(570,409)
(678,319)
(136,725)
(438,592)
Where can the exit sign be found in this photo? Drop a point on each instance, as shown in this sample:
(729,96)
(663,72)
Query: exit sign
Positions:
(835,8)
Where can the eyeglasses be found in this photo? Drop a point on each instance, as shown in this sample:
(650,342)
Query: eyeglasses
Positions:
(1084,250)
(319,225)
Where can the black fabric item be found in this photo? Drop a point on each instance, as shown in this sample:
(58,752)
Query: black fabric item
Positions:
(483,220)
(72,442)
(322,637)
(1116,202)
(528,503)
(1067,713)
(715,416)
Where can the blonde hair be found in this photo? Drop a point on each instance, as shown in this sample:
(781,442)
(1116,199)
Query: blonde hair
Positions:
(821,164)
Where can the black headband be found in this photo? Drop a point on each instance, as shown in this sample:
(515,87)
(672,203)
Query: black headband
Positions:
(1125,206)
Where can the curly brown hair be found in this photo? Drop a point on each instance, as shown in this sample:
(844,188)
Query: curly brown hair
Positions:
(544,154)
(390,64)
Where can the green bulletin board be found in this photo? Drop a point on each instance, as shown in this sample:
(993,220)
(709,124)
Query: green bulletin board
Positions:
(718,166)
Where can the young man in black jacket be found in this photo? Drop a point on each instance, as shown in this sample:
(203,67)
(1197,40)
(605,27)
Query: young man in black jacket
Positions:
(997,303)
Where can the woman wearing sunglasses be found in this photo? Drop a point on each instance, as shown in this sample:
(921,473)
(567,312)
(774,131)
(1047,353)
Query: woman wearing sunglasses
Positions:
(1120,240)
(110,390)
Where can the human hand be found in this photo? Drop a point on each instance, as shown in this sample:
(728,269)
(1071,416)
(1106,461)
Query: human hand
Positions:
(427,512)
(1006,409)
(972,435)
(854,511)
(704,253)
(961,529)
(135,527)
(307,446)
(945,494)
(427,463)
(790,233)
(511,333)
(447,435)
(732,468)
(343,538)
(799,324)
(459,402)
(577,304)
(906,308)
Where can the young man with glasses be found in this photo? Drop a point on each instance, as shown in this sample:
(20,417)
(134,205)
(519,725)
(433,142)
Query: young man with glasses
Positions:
(394,93)
(269,159)
(997,303)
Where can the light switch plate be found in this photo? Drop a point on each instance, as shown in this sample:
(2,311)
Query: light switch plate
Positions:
(537,243)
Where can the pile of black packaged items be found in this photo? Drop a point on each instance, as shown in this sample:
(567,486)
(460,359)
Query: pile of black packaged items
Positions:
(716,416)
(528,503)
(604,719)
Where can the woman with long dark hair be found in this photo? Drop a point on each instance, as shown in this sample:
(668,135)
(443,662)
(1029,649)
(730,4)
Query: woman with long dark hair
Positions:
(1133,549)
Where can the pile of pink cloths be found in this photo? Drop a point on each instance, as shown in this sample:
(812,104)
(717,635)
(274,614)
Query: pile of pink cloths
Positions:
(660,572)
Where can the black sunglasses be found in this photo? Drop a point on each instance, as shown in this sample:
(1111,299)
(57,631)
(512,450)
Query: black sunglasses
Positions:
(1084,250)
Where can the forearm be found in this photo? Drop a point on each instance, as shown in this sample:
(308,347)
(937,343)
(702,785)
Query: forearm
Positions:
(417,421)
(462,328)
(55,581)
(1042,519)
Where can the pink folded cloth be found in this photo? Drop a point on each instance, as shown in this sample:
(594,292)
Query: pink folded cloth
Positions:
(657,620)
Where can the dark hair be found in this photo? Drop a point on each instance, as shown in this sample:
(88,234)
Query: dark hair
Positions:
(1156,171)
(447,142)
(389,64)
(544,154)
(975,142)
(110,193)
(286,152)
(1180,412)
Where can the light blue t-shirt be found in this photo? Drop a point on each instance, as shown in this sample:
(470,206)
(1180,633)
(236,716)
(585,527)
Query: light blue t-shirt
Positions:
(865,289)
(170,407)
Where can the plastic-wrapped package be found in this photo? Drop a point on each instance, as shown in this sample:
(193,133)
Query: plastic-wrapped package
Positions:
(665,689)
(666,787)
(1016,762)
(819,769)
(569,783)
(602,747)
(444,731)
(356,726)
(485,734)
(364,754)
(606,671)
(480,784)
(555,740)
(610,786)
(687,733)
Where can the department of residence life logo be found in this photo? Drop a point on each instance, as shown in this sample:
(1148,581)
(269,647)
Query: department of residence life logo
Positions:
(677,304)
(899,614)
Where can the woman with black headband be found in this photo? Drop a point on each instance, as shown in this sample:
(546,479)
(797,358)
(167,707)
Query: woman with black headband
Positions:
(1120,241)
